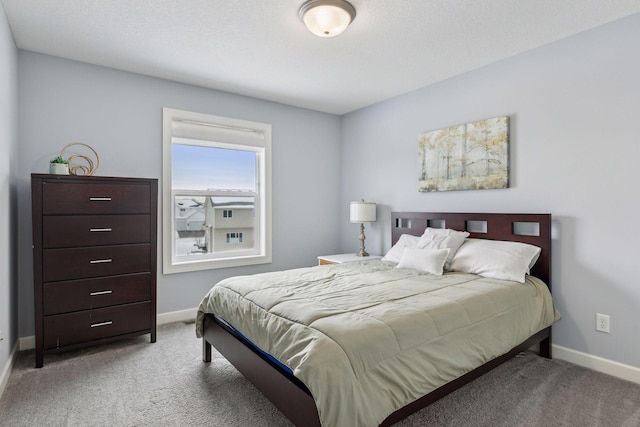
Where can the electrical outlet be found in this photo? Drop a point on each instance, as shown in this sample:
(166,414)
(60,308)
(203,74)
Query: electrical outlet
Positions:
(602,323)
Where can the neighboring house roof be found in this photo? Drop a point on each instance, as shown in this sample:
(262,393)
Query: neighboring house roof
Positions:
(184,212)
(237,204)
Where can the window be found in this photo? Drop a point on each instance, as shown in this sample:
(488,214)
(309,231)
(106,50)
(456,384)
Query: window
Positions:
(216,192)
(234,237)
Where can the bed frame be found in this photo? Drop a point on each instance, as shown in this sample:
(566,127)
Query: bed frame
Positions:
(294,399)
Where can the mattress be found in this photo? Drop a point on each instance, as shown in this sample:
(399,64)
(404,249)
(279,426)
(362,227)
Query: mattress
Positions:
(367,338)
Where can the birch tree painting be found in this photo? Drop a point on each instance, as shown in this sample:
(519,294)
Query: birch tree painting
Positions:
(473,156)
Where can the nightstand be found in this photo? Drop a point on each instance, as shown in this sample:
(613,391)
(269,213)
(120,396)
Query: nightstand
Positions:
(340,258)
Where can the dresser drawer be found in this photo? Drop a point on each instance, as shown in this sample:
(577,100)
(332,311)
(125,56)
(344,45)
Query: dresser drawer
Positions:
(74,328)
(80,263)
(63,297)
(60,198)
(94,230)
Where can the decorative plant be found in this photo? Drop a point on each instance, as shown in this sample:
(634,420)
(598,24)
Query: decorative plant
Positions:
(59,159)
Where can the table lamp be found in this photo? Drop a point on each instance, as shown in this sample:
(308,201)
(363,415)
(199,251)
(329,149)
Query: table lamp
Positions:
(361,212)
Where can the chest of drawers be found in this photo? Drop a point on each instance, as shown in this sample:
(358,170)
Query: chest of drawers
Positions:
(94,260)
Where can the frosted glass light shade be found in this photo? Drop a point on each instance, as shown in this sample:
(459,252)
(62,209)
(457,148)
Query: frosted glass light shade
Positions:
(362,212)
(327,18)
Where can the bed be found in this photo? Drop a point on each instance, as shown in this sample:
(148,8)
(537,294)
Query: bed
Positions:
(286,347)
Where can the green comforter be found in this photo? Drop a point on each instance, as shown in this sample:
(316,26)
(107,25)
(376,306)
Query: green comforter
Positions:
(368,339)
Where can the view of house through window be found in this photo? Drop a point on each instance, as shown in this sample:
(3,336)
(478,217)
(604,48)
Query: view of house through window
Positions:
(216,208)
(210,185)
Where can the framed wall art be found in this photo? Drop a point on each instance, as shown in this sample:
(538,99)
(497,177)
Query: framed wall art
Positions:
(473,156)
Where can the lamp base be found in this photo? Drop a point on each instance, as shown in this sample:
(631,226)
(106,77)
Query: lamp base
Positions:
(362,252)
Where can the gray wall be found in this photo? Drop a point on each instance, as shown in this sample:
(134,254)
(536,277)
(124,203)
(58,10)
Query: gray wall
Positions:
(8,160)
(574,108)
(120,115)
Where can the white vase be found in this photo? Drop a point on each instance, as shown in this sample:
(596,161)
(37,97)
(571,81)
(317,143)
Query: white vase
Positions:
(58,169)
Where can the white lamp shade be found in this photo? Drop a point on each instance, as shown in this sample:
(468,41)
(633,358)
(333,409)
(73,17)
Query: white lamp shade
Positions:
(362,212)
(327,18)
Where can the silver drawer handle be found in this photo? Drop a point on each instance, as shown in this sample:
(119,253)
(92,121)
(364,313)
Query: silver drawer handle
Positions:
(97,230)
(100,261)
(97,325)
(101,293)
(100,199)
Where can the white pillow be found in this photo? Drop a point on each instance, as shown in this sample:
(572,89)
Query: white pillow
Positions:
(441,238)
(425,260)
(395,253)
(495,259)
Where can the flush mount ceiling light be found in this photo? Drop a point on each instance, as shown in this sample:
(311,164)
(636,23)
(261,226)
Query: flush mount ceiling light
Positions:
(327,18)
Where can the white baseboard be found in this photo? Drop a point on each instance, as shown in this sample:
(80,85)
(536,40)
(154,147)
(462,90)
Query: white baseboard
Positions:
(8,367)
(188,315)
(27,343)
(616,369)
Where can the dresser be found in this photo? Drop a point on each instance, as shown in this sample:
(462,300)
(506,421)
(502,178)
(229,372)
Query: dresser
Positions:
(94,260)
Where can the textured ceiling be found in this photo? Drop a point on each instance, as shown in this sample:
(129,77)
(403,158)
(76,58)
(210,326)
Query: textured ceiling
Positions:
(261,49)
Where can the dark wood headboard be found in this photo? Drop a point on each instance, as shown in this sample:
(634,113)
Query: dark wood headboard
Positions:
(534,229)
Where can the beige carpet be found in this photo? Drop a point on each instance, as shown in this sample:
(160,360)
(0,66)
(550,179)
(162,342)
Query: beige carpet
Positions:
(135,383)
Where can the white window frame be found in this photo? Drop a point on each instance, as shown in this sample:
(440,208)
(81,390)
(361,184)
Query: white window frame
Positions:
(220,132)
